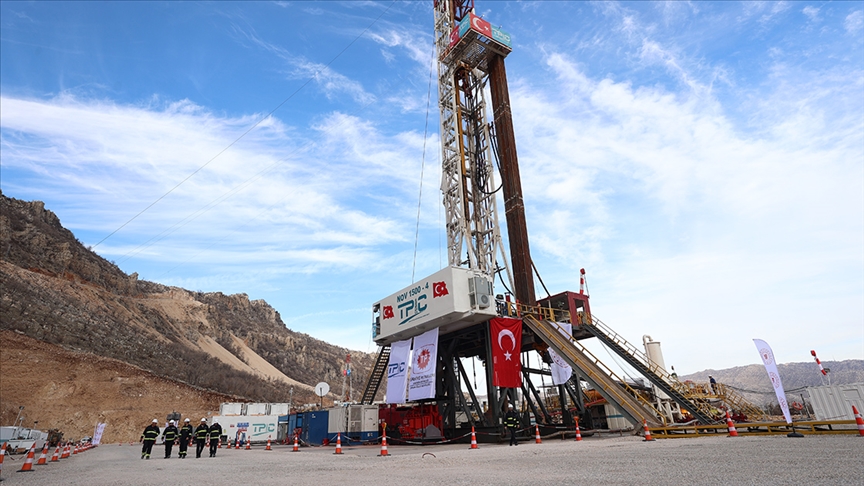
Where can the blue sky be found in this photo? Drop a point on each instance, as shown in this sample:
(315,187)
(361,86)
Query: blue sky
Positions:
(704,161)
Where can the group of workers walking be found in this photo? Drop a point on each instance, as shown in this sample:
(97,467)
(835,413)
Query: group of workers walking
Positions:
(182,437)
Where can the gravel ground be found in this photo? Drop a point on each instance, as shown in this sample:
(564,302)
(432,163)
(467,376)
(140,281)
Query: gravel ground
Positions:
(822,459)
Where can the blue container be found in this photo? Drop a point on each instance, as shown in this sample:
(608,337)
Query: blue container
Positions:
(314,426)
(295,421)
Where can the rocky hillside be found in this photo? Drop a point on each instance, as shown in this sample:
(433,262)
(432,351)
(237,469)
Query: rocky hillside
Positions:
(73,391)
(752,380)
(57,291)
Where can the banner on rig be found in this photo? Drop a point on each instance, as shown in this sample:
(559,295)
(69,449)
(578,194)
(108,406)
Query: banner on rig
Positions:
(397,371)
(424,361)
(771,367)
(506,336)
(561,371)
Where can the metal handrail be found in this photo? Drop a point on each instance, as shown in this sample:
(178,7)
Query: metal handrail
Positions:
(643,358)
(560,340)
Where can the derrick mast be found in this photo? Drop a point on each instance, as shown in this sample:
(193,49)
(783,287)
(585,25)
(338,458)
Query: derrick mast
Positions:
(470,53)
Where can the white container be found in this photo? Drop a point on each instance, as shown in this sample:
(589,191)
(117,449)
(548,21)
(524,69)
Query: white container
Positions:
(231,409)
(834,402)
(450,299)
(257,409)
(615,419)
(279,409)
(258,428)
(359,422)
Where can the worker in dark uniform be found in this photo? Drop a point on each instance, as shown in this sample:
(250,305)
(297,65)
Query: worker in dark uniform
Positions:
(215,434)
(511,420)
(185,437)
(169,435)
(201,433)
(148,438)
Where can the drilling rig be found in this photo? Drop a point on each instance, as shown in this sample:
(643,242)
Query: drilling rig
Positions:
(459,300)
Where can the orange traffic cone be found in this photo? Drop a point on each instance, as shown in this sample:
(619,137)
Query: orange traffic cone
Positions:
(647,432)
(858,421)
(220,443)
(473,439)
(268,444)
(43,458)
(296,444)
(28,463)
(248,444)
(65,453)
(56,456)
(578,432)
(384,452)
(338,443)
(731,426)
(537,434)
(237,443)
(75,450)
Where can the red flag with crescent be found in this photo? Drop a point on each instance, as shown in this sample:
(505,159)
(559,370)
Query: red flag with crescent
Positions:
(506,336)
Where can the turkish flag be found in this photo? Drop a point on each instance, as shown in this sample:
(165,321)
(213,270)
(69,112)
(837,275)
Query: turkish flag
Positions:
(506,336)
(481,26)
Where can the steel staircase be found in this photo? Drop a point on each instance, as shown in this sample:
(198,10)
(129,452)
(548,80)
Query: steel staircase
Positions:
(376,375)
(677,391)
(611,387)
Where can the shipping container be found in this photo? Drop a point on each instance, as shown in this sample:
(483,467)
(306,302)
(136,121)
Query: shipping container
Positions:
(257,428)
(355,422)
(834,402)
(231,409)
(314,425)
(279,409)
(258,409)
(450,299)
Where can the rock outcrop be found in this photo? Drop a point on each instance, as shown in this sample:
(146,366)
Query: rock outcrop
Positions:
(57,291)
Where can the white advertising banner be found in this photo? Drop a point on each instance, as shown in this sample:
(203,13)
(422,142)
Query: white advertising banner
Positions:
(397,371)
(97,434)
(424,361)
(561,371)
(771,367)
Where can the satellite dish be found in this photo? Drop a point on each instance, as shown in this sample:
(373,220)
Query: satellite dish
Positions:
(322,389)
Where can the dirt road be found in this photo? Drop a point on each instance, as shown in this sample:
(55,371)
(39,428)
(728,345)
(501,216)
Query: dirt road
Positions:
(834,460)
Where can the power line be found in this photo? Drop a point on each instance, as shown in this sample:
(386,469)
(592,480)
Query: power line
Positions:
(422,167)
(265,117)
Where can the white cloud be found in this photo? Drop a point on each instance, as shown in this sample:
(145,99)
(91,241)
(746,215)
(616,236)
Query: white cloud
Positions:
(669,204)
(812,13)
(854,22)
(331,82)
(117,159)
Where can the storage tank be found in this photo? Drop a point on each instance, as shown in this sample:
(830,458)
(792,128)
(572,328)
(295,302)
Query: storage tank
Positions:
(652,349)
(655,356)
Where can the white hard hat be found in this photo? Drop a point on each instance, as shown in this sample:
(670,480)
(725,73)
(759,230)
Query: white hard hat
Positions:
(171,422)
(203,419)
(215,421)
(155,421)
(186,420)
